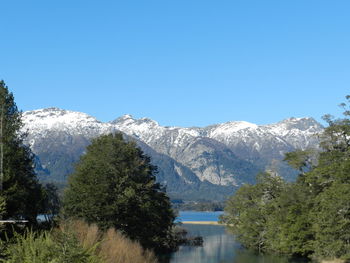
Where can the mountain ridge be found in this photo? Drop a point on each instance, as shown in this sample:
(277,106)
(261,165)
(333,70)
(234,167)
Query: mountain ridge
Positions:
(220,155)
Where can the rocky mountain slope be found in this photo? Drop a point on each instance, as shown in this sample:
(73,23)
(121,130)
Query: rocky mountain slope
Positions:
(193,163)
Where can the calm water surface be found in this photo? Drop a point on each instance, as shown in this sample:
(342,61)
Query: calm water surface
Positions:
(219,245)
(198,216)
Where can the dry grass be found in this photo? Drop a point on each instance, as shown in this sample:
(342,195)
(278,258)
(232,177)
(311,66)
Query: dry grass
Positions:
(111,247)
(88,235)
(334,261)
(115,248)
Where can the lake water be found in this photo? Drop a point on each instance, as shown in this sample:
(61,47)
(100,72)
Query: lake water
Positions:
(198,216)
(219,246)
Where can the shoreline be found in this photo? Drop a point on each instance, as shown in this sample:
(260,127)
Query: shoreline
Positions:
(201,222)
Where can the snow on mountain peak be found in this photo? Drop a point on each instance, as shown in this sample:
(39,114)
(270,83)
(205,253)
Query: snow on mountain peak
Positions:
(54,115)
(229,128)
(129,119)
(144,128)
(294,120)
(301,133)
(239,125)
(307,125)
(59,120)
(202,150)
(124,118)
(290,130)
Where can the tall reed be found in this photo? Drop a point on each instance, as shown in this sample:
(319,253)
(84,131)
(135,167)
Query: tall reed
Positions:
(111,246)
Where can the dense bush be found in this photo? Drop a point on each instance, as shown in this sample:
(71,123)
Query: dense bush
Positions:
(48,247)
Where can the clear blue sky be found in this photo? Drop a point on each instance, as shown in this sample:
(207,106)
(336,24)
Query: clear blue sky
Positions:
(183,62)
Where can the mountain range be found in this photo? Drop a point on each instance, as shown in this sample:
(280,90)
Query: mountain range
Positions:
(207,163)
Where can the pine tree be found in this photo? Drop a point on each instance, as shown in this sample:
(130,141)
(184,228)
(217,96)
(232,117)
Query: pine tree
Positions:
(114,186)
(18,183)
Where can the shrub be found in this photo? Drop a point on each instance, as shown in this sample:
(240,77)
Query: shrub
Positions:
(76,241)
(43,247)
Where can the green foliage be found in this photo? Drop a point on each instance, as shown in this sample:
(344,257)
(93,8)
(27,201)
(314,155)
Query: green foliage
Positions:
(248,211)
(55,247)
(114,186)
(301,160)
(331,217)
(288,225)
(310,217)
(21,190)
(271,216)
(75,241)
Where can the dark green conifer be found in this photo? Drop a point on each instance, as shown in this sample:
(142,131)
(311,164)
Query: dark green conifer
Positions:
(18,183)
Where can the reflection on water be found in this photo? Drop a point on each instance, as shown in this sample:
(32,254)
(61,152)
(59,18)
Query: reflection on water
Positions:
(219,247)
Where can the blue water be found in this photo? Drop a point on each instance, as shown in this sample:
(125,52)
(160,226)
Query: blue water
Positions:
(219,245)
(198,216)
(44,217)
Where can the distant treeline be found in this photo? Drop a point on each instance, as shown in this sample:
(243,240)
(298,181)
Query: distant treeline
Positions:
(198,205)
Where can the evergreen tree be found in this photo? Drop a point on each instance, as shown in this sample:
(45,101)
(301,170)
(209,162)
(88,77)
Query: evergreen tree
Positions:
(114,186)
(18,183)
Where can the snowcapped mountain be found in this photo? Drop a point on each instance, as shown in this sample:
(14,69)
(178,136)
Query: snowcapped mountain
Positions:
(190,160)
(54,119)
